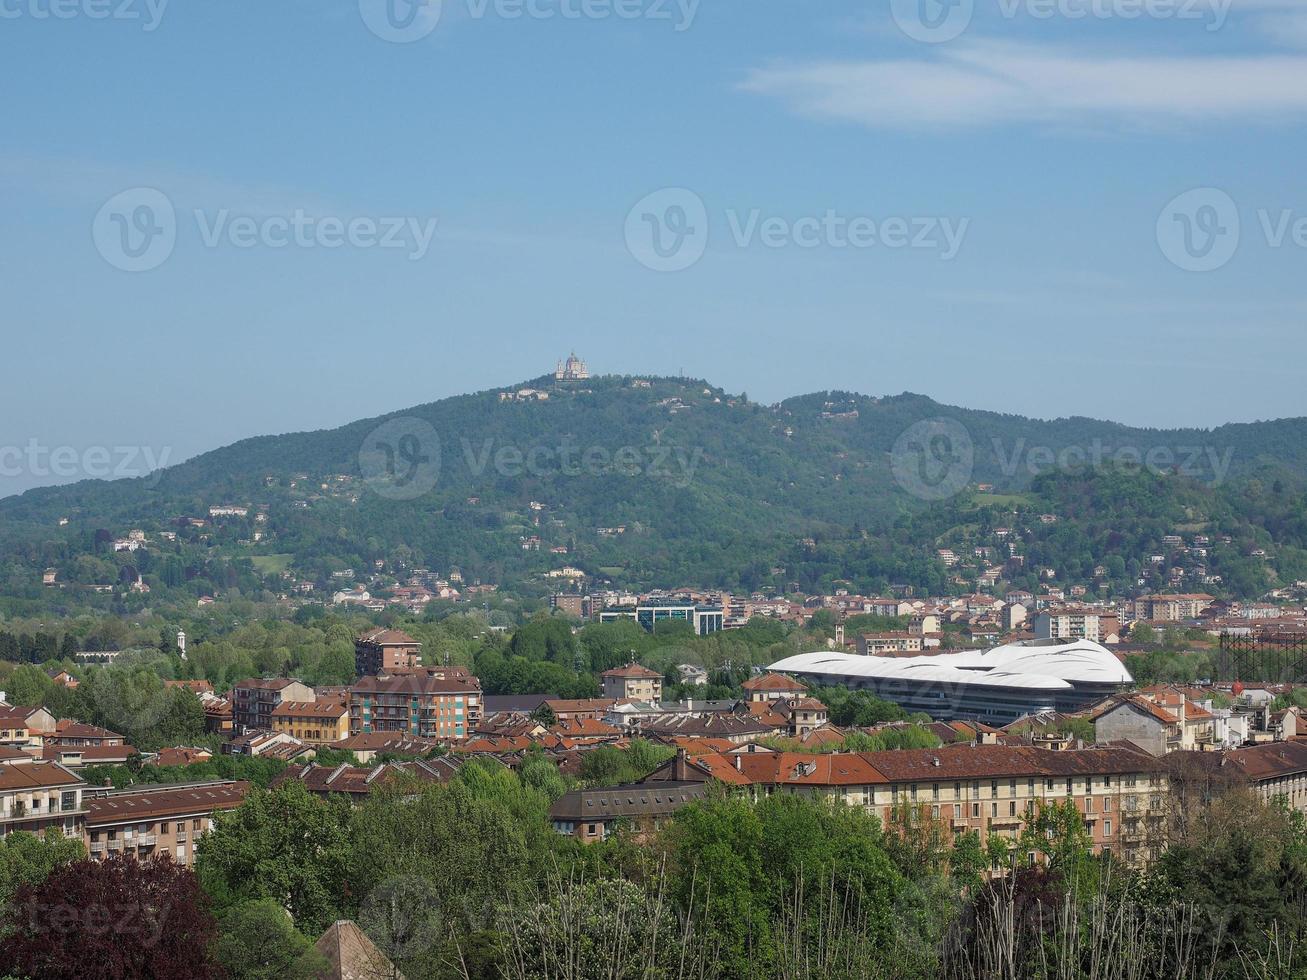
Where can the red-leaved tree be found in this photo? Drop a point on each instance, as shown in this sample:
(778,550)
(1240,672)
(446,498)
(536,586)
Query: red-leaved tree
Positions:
(117,919)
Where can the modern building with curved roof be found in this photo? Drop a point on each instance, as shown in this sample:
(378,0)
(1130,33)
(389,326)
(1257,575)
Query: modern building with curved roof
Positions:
(998,685)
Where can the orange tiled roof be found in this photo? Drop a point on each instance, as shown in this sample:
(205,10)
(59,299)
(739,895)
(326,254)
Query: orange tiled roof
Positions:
(773,682)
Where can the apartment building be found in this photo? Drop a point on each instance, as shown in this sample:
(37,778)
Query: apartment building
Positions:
(163,819)
(1121,793)
(423,705)
(1169,608)
(356,782)
(880,644)
(25,728)
(569,603)
(312,722)
(591,815)
(633,682)
(39,796)
(1077,623)
(1159,722)
(253,701)
(383,650)
(69,732)
(77,756)
(772,687)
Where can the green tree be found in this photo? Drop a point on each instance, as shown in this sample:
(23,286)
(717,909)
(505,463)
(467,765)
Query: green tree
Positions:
(28,859)
(258,941)
(282,844)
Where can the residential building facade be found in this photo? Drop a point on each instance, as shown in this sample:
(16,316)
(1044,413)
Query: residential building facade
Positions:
(420,705)
(160,819)
(254,700)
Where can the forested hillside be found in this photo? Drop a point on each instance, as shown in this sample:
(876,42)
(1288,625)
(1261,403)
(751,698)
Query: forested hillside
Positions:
(669,481)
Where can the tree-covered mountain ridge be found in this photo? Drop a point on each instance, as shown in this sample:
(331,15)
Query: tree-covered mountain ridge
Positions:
(655,480)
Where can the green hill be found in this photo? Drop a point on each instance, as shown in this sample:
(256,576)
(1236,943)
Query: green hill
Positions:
(706,488)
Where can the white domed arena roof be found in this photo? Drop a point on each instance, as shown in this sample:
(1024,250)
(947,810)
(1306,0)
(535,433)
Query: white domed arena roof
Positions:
(1048,665)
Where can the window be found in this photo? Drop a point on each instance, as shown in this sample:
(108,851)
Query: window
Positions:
(1107,803)
(993,810)
(1012,808)
(975,809)
(993,788)
(934,795)
(957,811)
(1107,828)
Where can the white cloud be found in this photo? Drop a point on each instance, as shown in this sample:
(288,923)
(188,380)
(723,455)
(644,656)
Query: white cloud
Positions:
(984,83)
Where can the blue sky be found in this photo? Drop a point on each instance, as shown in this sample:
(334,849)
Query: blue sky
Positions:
(1050,144)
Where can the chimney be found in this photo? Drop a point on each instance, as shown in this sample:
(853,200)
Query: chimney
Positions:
(739,764)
